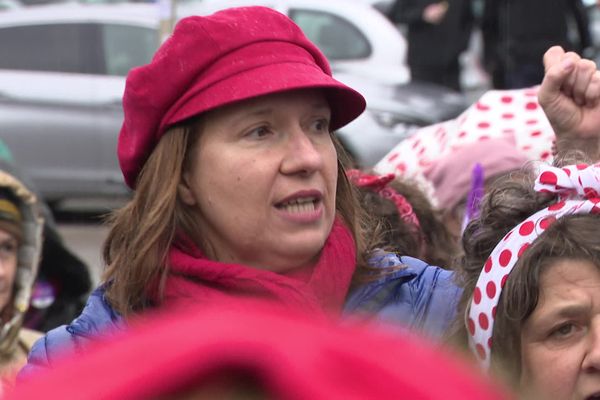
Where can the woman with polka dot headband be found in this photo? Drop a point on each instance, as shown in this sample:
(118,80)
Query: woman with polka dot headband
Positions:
(530,309)
(531,277)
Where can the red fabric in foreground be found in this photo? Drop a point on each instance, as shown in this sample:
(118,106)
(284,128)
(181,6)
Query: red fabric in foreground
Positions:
(287,355)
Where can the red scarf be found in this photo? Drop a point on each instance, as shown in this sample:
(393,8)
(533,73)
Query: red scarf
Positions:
(318,288)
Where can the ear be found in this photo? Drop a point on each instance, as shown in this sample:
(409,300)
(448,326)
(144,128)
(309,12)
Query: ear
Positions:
(185,192)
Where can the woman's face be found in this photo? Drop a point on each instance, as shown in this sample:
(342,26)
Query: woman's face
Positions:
(263,180)
(8,267)
(560,341)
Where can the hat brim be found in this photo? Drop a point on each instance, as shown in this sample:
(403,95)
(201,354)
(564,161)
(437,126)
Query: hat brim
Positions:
(346,103)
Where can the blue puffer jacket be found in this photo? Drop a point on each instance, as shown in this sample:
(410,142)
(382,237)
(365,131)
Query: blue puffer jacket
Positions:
(417,296)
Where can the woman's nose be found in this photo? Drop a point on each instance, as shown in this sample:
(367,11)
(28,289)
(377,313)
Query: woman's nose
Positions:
(591,359)
(303,155)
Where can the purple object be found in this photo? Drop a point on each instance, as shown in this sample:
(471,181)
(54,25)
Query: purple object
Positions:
(475,195)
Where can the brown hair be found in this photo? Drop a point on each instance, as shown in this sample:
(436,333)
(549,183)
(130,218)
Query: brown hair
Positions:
(509,202)
(142,232)
(432,243)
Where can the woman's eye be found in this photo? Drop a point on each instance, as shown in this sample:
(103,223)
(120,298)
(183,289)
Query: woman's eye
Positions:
(8,249)
(259,132)
(321,125)
(563,330)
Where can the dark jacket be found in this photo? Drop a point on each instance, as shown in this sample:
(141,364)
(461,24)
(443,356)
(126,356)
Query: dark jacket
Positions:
(429,44)
(517,32)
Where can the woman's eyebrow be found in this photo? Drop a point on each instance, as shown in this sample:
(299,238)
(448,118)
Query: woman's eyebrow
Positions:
(566,311)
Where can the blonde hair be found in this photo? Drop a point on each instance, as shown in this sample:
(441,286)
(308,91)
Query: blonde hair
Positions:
(137,246)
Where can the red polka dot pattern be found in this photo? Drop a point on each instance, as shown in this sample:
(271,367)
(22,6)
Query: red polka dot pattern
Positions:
(546,222)
(481,352)
(482,107)
(526,228)
(549,178)
(491,289)
(531,106)
(522,249)
(477,295)
(578,187)
(518,121)
(471,326)
(505,257)
(483,321)
(590,193)
(488,265)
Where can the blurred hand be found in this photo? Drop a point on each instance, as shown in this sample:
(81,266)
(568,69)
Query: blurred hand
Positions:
(435,13)
(570,94)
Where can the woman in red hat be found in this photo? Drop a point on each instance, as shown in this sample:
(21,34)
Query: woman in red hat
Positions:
(240,191)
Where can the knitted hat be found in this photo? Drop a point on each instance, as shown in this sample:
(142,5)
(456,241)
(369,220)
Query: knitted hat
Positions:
(10,215)
(211,61)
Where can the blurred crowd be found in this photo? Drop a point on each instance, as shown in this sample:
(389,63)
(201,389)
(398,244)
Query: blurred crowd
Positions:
(255,261)
(515,35)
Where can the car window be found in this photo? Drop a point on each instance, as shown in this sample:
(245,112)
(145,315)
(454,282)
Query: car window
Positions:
(126,47)
(51,47)
(338,38)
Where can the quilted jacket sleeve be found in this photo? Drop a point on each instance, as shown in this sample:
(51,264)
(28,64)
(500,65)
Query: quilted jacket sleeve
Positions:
(416,296)
(97,319)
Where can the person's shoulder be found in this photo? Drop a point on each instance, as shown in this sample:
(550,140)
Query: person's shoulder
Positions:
(403,267)
(97,319)
(412,292)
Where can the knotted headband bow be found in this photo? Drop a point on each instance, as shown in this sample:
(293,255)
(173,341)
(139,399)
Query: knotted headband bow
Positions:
(379,184)
(577,187)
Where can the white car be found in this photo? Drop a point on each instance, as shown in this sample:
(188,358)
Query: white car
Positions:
(62,76)
(355,38)
(9,4)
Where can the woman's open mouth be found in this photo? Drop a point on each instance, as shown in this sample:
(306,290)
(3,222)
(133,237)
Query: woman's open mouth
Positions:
(304,209)
(300,205)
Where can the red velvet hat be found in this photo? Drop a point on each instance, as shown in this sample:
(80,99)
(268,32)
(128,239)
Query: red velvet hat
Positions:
(208,62)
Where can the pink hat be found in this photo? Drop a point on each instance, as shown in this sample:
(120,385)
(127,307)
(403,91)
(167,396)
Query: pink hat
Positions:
(211,61)
(451,175)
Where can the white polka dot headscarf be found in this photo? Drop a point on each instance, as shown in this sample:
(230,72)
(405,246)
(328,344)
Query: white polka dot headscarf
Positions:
(578,188)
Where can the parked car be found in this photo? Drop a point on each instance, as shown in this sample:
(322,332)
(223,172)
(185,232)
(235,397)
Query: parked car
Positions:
(61,82)
(9,4)
(353,36)
(62,78)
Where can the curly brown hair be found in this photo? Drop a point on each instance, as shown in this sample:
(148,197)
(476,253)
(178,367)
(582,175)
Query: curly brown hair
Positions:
(432,243)
(510,201)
